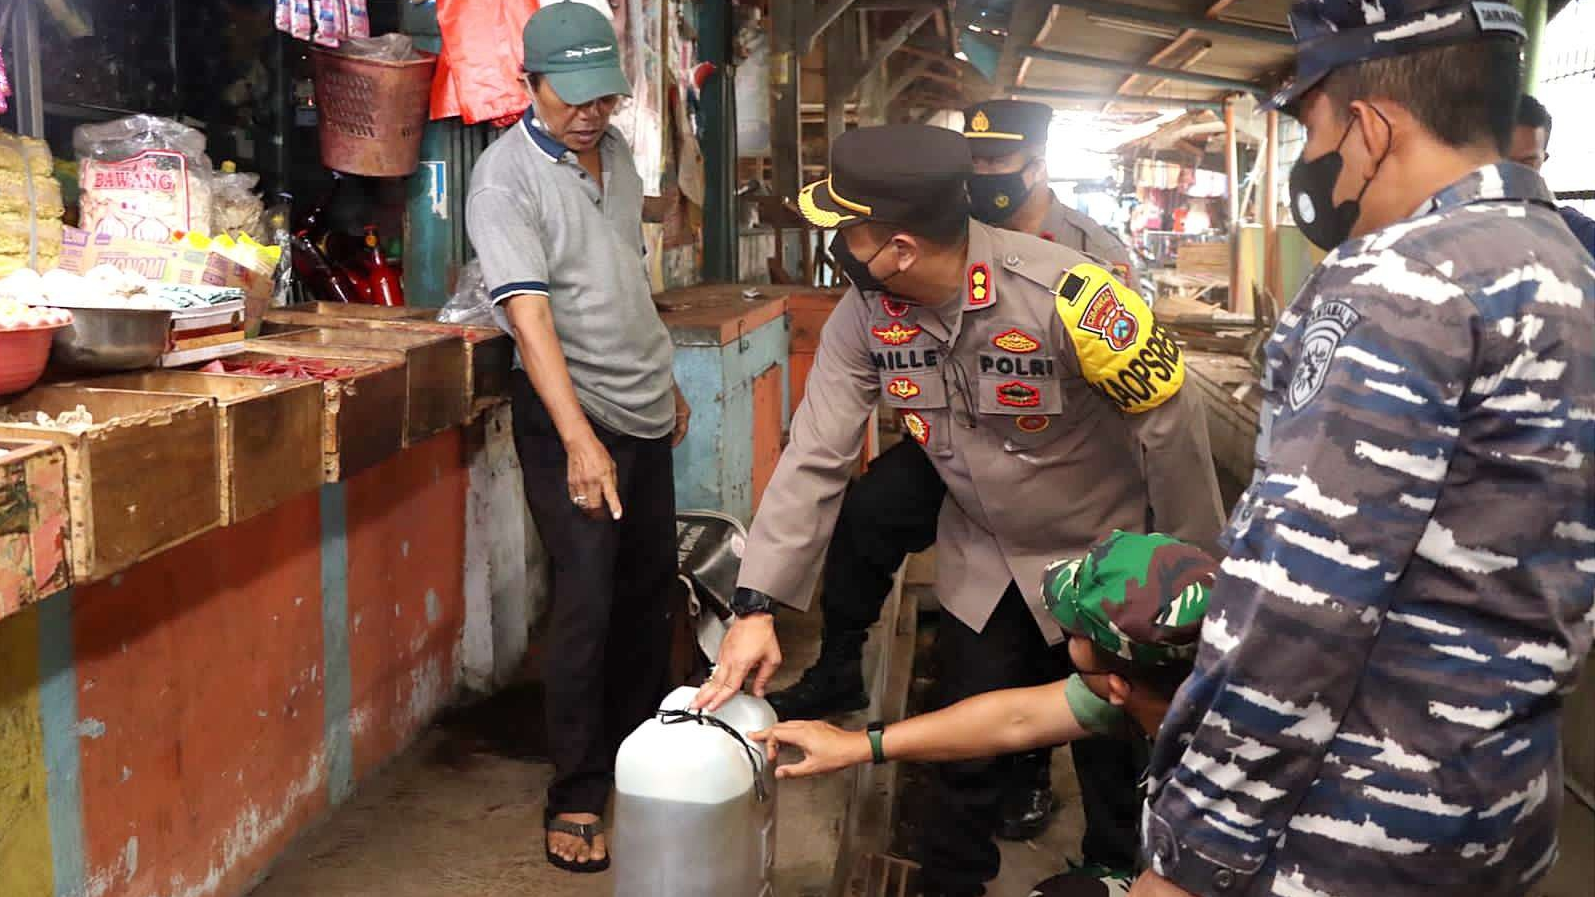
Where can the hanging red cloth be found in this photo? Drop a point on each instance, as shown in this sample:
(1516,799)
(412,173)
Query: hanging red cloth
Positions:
(478,72)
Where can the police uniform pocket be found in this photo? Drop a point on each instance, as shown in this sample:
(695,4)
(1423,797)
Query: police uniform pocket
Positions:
(1024,410)
(920,397)
(914,389)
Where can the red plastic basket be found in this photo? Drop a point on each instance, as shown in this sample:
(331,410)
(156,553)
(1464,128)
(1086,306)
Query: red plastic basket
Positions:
(23,354)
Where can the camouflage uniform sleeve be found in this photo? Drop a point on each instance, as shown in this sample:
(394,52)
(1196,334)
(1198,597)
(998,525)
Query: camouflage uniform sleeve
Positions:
(800,504)
(1362,438)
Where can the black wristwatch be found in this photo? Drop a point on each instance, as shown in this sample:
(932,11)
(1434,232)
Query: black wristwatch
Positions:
(745,601)
(875,732)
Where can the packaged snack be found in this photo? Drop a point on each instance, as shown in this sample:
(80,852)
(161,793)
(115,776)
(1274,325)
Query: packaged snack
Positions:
(357,17)
(143,177)
(330,27)
(303,21)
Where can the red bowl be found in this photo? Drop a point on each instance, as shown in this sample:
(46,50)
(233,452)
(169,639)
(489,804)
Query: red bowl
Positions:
(22,357)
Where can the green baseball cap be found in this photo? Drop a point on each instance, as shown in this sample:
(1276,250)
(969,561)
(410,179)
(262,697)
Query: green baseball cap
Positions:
(574,47)
(1140,597)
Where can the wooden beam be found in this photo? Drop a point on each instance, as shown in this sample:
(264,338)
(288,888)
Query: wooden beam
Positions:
(839,78)
(1027,19)
(1080,59)
(822,20)
(1213,11)
(1273,277)
(786,127)
(895,40)
(1087,96)
(915,69)
(1232,166)
(1208,23)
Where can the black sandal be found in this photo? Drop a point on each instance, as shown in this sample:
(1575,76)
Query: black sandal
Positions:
(587,831)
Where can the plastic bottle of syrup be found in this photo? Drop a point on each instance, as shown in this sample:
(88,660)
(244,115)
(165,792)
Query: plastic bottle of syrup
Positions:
(695,804)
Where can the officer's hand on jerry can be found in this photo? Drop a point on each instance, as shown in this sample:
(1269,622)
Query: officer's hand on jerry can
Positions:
(749,647)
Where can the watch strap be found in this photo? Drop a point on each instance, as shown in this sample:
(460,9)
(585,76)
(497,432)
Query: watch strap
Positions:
(877,732)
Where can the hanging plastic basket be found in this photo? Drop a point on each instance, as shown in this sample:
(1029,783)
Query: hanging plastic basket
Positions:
(372,112)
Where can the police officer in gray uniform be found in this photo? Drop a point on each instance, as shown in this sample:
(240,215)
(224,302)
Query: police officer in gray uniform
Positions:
(1008,140)
(1410,586)
(1047,399)
(891,510)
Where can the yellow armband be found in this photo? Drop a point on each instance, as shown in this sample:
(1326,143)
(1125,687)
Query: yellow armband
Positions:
(1123,351)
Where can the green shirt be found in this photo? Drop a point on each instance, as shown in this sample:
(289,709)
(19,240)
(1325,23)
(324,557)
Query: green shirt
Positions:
(1098,716)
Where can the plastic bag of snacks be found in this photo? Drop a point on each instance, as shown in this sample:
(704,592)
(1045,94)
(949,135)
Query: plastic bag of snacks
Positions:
(30,205)
(143,177)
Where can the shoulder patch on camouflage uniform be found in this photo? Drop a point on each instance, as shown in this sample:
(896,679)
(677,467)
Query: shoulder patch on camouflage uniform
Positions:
(1123,351)
(1326,326)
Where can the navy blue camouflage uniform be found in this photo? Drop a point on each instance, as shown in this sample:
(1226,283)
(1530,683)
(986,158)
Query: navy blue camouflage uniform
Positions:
(1410,587)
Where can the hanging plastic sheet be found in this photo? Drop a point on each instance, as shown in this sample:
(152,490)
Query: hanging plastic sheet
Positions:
(478,73)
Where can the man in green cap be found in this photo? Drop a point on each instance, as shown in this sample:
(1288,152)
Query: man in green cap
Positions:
(1133,609)
(555,214)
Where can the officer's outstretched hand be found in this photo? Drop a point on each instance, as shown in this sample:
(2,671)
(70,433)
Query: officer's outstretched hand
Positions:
(825,747)
(749,648)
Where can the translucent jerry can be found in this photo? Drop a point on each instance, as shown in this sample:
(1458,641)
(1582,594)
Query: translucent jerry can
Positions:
(695,803)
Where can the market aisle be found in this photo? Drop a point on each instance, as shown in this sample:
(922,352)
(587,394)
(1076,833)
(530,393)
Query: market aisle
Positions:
(460,815)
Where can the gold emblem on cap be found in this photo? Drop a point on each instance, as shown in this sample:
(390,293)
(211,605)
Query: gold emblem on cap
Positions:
(980,122)
(1001,201)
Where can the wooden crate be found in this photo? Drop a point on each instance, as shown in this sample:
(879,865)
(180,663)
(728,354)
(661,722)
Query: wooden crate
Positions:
(1210,259)
(362,415)
(373,312)
(145,476)
(35,526)
(270,433)
(436,371)
(489,352)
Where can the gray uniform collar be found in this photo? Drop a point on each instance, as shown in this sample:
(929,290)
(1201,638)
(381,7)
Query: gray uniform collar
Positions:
(1506,181)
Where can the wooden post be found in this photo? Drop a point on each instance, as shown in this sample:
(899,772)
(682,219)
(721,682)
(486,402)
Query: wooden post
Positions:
(1232,169)
(1271,267)
(839,64)
(786,125)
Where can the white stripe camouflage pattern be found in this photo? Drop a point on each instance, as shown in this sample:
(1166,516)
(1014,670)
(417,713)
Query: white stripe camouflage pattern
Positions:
(1410,589)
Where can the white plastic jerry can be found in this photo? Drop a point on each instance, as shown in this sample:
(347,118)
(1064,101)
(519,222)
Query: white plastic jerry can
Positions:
(695,803)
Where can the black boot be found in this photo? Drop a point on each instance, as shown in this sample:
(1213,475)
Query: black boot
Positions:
(834,685)
(1028,804)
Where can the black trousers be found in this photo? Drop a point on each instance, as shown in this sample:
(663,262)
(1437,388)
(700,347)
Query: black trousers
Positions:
(606,666)
(888,513)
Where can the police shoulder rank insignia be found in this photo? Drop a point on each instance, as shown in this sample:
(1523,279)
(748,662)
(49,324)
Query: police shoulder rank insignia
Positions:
(1122,350)
(1016,394)
(1033,423)
(918,427)
(980,294)
(1326,326)
(895,335)
(1016,341)
(895,308)
(903,388)
(1049,236)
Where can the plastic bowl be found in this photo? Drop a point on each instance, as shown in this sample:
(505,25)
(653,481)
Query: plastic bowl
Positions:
(22,356)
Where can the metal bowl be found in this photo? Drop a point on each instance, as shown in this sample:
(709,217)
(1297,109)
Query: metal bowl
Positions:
(112,339)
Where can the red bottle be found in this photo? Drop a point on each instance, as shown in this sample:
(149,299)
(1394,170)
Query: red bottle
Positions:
(385,285)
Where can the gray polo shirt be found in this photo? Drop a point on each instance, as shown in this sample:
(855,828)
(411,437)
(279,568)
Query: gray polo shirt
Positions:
(541,225)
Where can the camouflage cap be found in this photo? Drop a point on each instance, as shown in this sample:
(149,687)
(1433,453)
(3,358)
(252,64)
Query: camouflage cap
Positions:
(1140,597)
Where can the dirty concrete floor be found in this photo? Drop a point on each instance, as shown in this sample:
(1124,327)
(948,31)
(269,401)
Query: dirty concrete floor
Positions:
(460,815)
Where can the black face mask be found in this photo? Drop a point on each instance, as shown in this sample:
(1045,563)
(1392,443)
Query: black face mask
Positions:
(996,197)
(858,271)
(1312,190)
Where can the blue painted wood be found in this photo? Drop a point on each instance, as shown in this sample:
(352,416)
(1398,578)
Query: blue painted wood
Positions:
(714,466)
